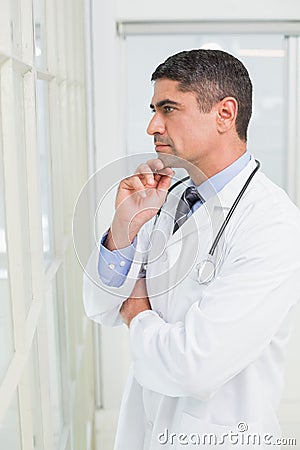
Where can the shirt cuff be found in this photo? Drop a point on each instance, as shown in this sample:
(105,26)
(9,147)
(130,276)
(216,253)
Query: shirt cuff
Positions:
(113,266)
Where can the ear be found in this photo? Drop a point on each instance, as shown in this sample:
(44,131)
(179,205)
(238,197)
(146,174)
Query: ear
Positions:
(226,114)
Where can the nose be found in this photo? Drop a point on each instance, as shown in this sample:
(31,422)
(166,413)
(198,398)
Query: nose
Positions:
(156,125)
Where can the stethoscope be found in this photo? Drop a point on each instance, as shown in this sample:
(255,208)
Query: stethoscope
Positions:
(206,269)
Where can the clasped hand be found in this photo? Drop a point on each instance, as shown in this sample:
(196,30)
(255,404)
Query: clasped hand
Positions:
(136,303)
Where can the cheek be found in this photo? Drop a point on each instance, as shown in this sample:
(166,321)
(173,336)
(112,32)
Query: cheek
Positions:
(191,133)
(203,131)
(196,137)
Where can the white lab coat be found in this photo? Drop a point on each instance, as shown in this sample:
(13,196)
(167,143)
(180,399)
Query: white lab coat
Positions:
(208,357)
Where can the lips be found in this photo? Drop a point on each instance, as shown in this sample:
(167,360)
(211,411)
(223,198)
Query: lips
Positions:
(160,147)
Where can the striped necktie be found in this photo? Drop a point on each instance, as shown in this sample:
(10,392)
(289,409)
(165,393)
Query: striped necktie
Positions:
(189,197)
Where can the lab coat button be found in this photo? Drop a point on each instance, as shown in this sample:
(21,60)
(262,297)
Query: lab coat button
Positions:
(150,424)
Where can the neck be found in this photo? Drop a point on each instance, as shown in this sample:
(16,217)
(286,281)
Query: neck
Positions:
(210,165)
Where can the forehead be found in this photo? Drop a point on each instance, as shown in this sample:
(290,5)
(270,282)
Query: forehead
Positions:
(168,89)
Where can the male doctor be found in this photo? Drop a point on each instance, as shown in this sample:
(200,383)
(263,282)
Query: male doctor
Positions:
(207,353)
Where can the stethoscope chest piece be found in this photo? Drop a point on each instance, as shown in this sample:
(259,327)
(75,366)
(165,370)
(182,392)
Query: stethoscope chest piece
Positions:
(205,271)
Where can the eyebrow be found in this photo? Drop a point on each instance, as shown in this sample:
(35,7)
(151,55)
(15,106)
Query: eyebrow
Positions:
(167,101)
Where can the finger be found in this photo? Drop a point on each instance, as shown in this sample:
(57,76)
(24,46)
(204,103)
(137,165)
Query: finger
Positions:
(166,171)
(135,184)
(155,164)
(151,167)
(165,182)
(147,172)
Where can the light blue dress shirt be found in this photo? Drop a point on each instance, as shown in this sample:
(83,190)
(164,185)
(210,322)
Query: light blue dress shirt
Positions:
(113,266)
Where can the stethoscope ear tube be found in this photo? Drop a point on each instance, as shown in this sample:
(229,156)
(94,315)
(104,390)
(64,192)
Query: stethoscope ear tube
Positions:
(206,269)
(232,209)
(182,180)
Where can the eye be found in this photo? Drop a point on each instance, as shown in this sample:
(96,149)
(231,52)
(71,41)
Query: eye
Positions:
(168,109)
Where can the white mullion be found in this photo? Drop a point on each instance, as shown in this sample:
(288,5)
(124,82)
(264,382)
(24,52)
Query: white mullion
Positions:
(51,35)
(64,354)
(73,184)
(15,24)
(34,230)
(3,57)
(79,22)
(43,360)
(57,178)
(36,306)
(73,131)
(74,322)
(69,11)
(79,120)
(27,37)
(15,231)
(5,30)
(64,437)
(71,150)
(33,186)
(70,294)
(19,66)
(61,19)
(10,383)
(72,124)
(44,75)
(25,411)
(89,83)
(59,240)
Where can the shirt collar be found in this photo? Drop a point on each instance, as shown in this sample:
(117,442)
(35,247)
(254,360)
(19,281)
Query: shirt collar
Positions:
(217,182)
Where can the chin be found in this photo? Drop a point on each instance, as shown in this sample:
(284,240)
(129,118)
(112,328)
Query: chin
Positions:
(171,160)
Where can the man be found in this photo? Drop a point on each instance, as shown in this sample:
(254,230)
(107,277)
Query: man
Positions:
(207,353)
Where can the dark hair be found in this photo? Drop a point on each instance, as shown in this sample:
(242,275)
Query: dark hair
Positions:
(212,75)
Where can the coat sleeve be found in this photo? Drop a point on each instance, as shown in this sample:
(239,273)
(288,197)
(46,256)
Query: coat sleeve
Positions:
(102,302)
(237,317)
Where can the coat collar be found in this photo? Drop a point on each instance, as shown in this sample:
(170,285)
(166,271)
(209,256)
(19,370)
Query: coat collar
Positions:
(228,194)
(213,212)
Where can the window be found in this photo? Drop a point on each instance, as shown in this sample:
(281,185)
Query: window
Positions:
(45,169)
(6,329)
(10,434)
(46,361)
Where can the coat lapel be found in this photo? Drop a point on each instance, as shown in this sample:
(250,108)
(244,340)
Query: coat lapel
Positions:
(174,256)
